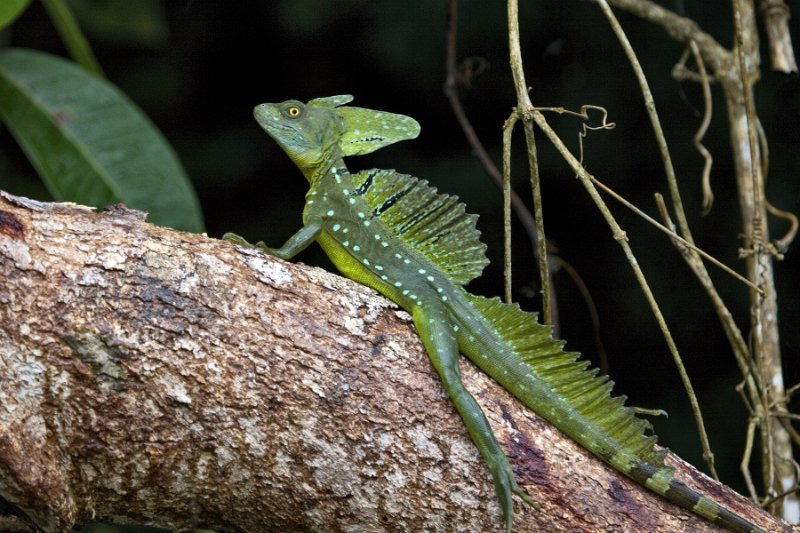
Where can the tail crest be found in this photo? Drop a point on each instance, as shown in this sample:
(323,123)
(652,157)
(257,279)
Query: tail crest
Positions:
(618,437)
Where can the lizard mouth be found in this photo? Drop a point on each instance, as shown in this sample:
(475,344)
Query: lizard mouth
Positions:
(269,119)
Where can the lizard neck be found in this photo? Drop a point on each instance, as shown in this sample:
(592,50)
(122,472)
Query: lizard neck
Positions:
(330,174)
(316,171)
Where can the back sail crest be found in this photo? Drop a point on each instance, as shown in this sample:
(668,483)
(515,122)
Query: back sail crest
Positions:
(435,225)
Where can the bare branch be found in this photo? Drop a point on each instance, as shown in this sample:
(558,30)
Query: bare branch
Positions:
(776,22)
(681,29)
(158,377)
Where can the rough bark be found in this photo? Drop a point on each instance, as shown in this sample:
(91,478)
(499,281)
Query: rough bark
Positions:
(157,377)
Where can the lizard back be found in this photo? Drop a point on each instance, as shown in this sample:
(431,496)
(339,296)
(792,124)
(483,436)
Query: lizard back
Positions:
(434,225)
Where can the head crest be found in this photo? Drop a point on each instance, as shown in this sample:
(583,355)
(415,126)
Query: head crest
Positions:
(331,101)
(367,130)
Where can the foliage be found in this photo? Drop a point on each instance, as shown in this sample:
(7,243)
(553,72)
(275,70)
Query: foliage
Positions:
(89,143)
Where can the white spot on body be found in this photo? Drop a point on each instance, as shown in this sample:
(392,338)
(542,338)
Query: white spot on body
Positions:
(356,248)
(336,227)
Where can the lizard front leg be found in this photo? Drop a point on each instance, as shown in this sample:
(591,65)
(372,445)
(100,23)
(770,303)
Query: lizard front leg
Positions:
(293,246)
(436,331)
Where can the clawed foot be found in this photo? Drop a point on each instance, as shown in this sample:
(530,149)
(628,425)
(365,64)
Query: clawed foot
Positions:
(238,239)
(505,485)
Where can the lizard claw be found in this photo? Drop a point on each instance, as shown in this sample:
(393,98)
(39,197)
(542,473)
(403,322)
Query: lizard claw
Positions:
(241,241)
(505,485)
(236,239)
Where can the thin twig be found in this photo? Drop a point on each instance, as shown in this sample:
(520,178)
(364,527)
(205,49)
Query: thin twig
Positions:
(787,425)
(523,104)
(783,243)
(660,227)
(686,30)
(708,194)
(508,130)
(744,465)
(542,248)
(451,92)
(746,363)
(619,235)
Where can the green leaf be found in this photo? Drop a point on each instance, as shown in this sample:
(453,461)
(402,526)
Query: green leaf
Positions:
(89,142)
(10,10)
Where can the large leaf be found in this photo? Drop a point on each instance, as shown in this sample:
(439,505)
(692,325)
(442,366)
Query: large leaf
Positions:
(10,10)
(89,142)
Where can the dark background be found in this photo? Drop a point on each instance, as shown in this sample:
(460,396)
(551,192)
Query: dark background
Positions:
(197,68)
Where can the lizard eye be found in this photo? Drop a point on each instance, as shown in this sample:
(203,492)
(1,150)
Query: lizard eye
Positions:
(293,112)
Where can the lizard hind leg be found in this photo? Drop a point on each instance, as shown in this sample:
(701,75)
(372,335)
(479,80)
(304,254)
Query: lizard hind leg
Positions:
(436,330)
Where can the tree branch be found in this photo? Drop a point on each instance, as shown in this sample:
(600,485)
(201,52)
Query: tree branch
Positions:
(682,29)
(157,377)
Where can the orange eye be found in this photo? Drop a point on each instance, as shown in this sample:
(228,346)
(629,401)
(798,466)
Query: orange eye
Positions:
(293,112)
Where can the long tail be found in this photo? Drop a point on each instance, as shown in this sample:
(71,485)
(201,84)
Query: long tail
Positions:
(679,494)
(519,353)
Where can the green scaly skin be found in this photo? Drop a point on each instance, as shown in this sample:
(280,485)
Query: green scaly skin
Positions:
(503,341)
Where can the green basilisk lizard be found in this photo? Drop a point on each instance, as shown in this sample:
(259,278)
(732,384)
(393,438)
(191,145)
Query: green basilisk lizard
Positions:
(396,234)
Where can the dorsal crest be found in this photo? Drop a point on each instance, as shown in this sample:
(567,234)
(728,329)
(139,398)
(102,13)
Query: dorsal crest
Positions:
(434,225)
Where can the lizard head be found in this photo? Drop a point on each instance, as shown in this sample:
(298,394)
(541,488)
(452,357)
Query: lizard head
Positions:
(310,136)
(322,130)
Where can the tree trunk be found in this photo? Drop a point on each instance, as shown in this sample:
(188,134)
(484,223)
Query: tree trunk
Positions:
(157,377)
(779,473)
